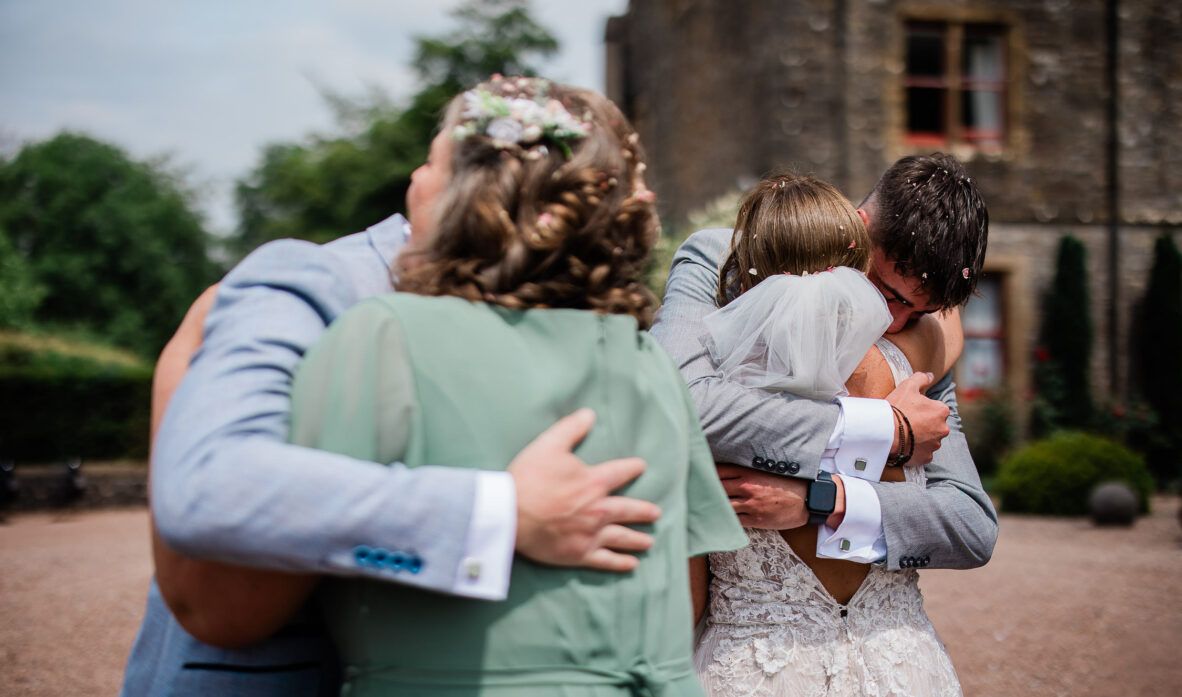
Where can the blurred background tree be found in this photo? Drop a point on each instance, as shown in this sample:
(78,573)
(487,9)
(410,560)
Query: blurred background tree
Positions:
(21,292)
(1158,350)
(338,184)
(94,242)
(1062,369)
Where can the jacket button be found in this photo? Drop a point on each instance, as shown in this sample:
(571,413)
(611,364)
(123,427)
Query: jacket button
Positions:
(757,462)
(782,467)
(414,564)
(793,467)
(396,561)
(361,554)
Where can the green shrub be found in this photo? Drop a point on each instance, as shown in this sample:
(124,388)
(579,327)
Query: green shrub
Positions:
(59,400)
(1054,476)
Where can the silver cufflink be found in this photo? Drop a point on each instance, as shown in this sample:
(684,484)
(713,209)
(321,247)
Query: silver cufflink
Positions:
(860,464)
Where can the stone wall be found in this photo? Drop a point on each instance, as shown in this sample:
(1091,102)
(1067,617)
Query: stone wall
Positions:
(725,91)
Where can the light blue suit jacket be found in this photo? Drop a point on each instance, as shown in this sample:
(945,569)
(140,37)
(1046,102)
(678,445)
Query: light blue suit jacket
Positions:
(225,483)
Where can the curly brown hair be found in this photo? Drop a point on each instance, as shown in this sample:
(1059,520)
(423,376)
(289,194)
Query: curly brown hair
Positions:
(791,224)
(563,222)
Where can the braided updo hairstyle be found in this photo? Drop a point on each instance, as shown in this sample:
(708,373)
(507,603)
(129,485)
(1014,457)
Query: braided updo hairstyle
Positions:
(550,221)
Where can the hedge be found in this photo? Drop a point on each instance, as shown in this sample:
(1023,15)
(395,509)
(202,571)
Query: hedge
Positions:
(54,406)
(1056,475)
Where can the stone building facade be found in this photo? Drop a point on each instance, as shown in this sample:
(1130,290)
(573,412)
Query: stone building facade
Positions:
(1021,91)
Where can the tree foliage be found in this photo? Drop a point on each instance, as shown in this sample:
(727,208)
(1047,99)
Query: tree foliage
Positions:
(20,293)
(1063,376)
(1157,348)
(334,185)
(99,242)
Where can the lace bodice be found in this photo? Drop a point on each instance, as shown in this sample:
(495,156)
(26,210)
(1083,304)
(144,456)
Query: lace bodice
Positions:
(774,631)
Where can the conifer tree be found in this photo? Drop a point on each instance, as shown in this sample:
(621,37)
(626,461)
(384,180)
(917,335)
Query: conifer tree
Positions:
(1158,354)
(1063,379)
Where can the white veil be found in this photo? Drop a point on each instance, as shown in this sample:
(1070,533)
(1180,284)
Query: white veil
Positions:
(799,334)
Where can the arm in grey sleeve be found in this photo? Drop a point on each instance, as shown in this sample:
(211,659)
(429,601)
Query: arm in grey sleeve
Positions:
(226,484)
(951,524)
(740,423)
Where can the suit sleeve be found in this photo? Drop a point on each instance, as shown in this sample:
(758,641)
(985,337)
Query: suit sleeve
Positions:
(225,483)
(952,523)
(745,426)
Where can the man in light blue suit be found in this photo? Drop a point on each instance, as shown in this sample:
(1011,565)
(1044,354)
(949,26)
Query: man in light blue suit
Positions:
(226,486)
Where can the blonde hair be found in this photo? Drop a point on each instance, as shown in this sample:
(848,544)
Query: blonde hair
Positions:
(792,224)
(557,221)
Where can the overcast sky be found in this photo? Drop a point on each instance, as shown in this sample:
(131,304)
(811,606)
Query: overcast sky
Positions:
(211,81)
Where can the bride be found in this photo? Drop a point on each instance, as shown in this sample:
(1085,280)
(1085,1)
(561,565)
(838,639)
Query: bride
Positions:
(782,621)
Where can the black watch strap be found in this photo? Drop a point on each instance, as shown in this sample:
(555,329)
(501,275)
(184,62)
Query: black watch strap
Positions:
(821,498)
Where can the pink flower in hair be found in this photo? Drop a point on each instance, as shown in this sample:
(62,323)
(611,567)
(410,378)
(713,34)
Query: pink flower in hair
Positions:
(853,243)
(965,272)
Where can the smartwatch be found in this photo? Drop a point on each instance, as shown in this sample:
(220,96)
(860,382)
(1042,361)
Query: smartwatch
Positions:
(821,498)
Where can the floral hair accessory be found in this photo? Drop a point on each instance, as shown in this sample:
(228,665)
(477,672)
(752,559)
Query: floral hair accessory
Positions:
(853,243)
(965,272)
(518,120)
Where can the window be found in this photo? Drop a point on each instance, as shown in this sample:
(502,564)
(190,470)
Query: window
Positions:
(982,364)
(955,84)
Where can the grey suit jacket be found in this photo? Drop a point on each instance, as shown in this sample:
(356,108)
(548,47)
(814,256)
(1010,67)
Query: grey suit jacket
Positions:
(226,484)
(950,524)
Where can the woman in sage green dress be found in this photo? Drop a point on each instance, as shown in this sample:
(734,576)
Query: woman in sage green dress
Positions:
(531,229)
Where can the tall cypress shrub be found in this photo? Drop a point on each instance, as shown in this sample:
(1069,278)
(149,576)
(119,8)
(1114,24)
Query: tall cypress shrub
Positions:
(1063,377)
(1159,357)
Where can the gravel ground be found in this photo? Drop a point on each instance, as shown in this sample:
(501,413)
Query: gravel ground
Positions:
(1062,609)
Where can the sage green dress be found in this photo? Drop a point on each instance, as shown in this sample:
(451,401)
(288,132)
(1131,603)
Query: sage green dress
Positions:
(443,381)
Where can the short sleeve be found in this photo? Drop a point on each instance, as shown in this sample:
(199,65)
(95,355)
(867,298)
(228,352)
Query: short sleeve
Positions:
(711,524)
(353,393)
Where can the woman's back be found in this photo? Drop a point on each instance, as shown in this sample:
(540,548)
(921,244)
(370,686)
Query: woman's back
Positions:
(480,382)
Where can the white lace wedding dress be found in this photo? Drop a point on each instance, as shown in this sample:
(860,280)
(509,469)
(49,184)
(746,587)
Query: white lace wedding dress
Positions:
(774,631)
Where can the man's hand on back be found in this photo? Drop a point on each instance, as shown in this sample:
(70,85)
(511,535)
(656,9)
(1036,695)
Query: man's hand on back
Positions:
(928,417)
(565,516)
(764,500)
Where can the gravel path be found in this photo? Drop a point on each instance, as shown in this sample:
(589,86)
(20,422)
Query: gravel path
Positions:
(1062,609)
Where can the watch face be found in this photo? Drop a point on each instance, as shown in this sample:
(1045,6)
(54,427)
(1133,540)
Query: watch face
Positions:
(822,496)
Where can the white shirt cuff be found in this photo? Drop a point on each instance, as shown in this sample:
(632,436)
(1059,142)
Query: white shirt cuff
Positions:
(860,537)
(492,533)
(862,438)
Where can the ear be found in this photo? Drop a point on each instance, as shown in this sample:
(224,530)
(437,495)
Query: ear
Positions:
(865,218)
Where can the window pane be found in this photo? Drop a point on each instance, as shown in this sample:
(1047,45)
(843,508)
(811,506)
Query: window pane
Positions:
(980,366)
(925,50)
(982,58)
(982,314)
(925,110)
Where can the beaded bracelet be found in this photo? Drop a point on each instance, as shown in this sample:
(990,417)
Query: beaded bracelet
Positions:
(907,441)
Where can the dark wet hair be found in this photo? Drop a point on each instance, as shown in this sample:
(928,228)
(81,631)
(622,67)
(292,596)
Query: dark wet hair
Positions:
(927,216)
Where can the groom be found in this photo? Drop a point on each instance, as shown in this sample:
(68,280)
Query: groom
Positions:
(929,228)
